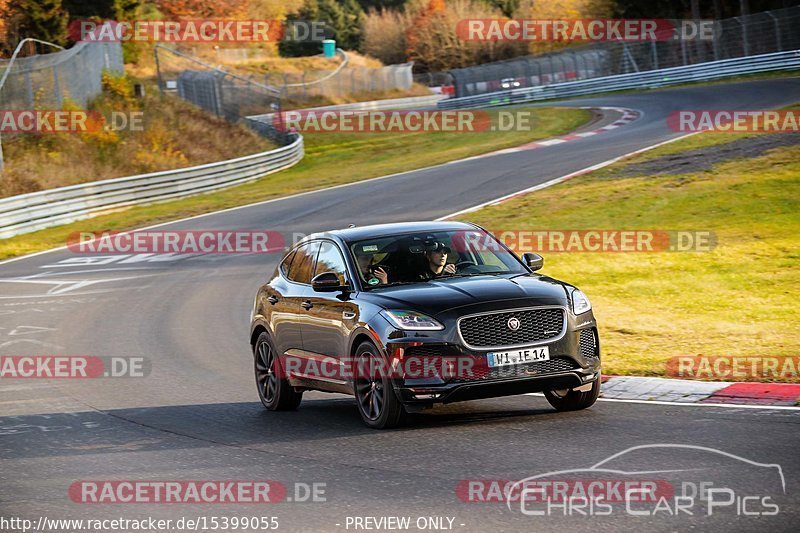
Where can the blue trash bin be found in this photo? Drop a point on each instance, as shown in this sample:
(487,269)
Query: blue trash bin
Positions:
(329,48)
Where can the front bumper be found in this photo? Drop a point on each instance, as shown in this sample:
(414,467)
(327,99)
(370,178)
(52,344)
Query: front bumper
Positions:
(476,390)
(574,362)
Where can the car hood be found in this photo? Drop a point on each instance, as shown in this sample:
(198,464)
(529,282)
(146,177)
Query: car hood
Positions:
(488,292)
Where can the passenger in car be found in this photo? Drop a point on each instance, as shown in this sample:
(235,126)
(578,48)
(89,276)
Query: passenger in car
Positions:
(370,272)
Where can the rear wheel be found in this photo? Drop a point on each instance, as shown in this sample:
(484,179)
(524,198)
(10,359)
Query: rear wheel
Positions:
(275,393)
(573,399)
(377,402)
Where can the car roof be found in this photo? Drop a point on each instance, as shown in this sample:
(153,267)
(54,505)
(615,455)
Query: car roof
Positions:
(398,228)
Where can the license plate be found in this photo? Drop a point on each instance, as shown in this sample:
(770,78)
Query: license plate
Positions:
(518,357)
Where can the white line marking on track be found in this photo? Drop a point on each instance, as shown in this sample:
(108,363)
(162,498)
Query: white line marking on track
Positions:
(28,330)
(686,404)
(563,178)
(31,341)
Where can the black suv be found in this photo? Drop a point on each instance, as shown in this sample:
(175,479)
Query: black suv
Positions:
(404,316)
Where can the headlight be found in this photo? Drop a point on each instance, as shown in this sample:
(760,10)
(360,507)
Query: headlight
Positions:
(580,303)
(411,320)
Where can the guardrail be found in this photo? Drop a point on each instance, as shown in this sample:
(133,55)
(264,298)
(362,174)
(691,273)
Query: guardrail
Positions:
(651,79)
(34,211)
(411,102)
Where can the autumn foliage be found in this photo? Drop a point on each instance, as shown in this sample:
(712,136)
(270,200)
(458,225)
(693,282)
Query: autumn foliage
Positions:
(183,9)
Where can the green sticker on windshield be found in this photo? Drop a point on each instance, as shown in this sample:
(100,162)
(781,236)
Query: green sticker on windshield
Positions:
(373,281)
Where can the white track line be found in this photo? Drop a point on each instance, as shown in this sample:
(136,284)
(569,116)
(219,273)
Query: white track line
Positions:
(726,405)
(555,181)
(688,404)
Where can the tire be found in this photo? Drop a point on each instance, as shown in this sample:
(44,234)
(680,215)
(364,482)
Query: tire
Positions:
(573,400)
(377,403)
(275,393)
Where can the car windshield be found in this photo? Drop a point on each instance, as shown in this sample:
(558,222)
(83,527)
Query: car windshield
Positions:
(422,257)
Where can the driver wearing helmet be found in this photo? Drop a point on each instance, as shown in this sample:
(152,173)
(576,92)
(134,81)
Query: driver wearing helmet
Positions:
(436,265)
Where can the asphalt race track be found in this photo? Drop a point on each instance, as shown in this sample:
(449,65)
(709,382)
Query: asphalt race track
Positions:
(196,415)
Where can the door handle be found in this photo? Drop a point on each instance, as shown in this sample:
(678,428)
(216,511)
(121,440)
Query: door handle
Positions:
(307,305)
(272,299)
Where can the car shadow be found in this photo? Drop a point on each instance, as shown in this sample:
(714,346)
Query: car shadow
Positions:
(241,424)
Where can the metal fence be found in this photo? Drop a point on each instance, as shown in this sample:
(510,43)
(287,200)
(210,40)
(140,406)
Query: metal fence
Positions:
(43,209)
(241,55)
(709,71)
(238,98)
(48,81)
(227,95)
(757,34)
(345,81)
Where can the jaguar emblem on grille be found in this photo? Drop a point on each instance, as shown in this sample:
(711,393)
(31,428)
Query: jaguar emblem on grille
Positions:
(513,323)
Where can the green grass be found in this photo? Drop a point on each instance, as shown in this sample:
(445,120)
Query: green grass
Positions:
(173,134)
(331,159)
(739,299)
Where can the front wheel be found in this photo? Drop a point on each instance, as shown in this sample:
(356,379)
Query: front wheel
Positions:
(573,399)
(377,402)
(275,393)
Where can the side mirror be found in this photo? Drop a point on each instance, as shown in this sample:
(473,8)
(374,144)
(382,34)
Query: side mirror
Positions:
(534,261)
(327,282)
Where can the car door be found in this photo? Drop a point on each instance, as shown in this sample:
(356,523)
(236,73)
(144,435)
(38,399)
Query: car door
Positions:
(324,328)
(287,293)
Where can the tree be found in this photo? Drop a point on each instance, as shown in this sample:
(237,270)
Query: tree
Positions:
(349,35)
(41,19)
(86,9)
(384,36)
(342,23)
(507,7)
(378,5)
(434,45)
(177,9)
(127,10)
(3,37)
(293,43)
(563,9)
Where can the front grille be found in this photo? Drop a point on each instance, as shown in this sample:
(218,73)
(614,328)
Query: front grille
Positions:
(588,343)
(492,331)
(559,364)
(429,350)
